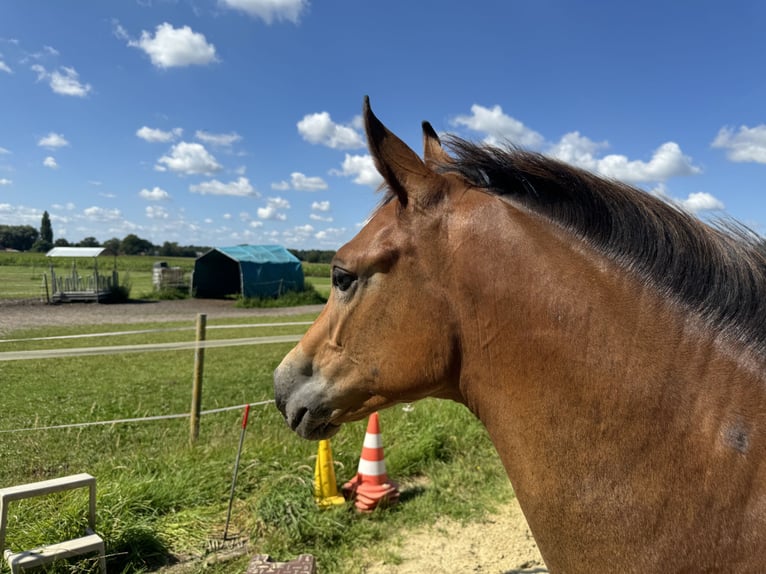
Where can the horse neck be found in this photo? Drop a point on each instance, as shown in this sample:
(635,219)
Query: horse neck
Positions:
(562,347)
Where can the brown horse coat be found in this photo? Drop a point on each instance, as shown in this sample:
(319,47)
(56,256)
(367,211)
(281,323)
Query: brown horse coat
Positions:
(613,346)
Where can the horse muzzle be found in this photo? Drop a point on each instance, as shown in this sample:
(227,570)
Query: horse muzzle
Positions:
(302,398)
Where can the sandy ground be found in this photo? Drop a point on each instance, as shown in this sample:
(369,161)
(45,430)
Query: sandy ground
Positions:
(501,544)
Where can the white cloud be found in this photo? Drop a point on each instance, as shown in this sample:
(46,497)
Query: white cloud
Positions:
(156,212)
(667,161)
(156,135)
(499,127)
(577,150)
(188,158)
(745,145)
(65,81)
(320,129)
(361,168)
(102,214)
(702,201)
(331,234)
(256,224)
(4,181)
(50,162)
(272,209)
(53,141)
(301,182)
(154,194)
(19,214)
(69,206)
(5,67)
(696,202)
(221,140)
(175,47)
(239,188)
(317,217)
(320,206)
(269,10)
(303,229)
(4,151)
(280,186)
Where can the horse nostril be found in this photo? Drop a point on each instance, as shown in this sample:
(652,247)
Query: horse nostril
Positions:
(307,369)
(298,417)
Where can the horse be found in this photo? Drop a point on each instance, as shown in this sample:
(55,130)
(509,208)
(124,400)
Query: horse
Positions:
(612,344)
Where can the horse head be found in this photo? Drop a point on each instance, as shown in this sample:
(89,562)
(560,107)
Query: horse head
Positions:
(387,334)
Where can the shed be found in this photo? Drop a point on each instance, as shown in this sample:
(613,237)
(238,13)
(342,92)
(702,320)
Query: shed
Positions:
(73,286)
(247,270)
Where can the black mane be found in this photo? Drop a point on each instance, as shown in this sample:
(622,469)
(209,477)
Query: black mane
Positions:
(718,272)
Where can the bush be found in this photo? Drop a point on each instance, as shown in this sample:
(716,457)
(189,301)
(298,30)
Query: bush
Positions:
(309,296)
(120,293)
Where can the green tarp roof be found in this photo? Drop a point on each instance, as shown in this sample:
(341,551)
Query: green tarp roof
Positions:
(259,253)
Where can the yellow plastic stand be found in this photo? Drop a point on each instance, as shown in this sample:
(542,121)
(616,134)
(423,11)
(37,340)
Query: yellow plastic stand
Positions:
(325,487)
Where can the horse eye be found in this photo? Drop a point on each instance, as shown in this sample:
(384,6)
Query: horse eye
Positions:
(342,279)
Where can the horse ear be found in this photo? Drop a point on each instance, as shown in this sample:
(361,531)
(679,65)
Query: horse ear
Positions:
(433,153)
(404,172)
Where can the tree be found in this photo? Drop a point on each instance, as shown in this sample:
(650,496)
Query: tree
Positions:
(18,237)
(132,244)
(61,242)
(112,246)
(46,229)
(89,242)
(45,242)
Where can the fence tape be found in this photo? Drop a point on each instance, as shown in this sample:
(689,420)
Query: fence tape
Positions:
(144,348)
(135,420)
(164,330)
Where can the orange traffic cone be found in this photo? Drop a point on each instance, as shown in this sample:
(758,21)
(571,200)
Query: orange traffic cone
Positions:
(371,486)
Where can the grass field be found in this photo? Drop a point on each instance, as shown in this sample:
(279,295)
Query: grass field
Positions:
(22,274)
(161,499)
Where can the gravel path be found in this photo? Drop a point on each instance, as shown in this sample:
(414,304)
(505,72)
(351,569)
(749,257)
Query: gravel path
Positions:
(23,314)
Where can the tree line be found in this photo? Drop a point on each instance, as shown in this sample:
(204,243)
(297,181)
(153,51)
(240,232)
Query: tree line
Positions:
(27,238)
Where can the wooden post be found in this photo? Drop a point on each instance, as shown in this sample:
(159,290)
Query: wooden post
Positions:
(199,364)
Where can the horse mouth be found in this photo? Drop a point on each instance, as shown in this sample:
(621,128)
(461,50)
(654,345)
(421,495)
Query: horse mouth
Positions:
(307,426)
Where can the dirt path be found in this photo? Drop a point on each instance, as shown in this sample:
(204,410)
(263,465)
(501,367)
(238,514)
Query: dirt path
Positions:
(501,544)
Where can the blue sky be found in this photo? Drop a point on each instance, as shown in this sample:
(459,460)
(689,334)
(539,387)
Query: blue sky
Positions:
(218,122)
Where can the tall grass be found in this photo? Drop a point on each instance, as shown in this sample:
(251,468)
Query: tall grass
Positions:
(161,499)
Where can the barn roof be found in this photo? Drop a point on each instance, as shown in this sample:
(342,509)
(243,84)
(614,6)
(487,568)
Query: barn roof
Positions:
(259,253)
(75,252)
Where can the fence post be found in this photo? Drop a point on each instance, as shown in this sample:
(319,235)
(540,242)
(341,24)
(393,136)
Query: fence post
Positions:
(199,364)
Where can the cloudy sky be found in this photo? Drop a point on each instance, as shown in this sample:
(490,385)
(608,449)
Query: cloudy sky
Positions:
(218,122)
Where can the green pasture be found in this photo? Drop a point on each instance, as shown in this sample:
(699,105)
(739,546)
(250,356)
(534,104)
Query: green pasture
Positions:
(161,499)
(21,274)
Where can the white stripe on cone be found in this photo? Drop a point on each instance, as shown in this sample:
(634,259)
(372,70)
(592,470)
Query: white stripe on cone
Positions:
(372,467)
(373,441)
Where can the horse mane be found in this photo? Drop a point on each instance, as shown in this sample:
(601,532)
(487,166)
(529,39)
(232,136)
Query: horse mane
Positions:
(717,271)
